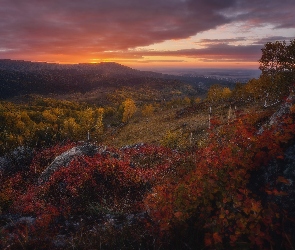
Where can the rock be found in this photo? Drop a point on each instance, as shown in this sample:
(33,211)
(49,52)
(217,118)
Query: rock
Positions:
(4,162)
(14,221)
(289,167)
(65,158)
(268,176)
(134,146)
(60,242)
(17,160)
(283,110)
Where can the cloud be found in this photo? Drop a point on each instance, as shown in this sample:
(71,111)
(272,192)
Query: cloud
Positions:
(221,41)
(280,14)
(52,28)
(217,52)
(80,26)
(273,39)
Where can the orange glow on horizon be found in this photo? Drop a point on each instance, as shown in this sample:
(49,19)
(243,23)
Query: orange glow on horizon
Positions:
(164,62)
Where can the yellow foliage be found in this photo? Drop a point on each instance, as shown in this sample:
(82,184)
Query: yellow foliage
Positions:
(99,113)
(198,100)
(70,127)
(148,110)
(171,139)
(226,92)
(86,119)
(10,119)
(187,101)
(57,111)
(217,93)
(49,116)
(20,126)
(129,109)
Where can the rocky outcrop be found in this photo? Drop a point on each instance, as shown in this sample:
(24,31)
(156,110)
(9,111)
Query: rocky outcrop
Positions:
(278,175)
(17,160)
(283,110)
(86,149)
(65,158)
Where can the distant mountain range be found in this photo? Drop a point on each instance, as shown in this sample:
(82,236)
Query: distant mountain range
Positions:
(24,77)
(104,68)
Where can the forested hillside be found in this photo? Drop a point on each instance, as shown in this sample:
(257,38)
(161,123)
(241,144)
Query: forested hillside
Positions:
(19,78)
(164,167)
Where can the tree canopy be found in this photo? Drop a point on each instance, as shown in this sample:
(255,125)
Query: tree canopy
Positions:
(278,58)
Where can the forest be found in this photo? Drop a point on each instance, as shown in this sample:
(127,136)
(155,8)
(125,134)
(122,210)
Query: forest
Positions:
(147,162)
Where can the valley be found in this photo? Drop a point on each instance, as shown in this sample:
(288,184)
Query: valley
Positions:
(107,157)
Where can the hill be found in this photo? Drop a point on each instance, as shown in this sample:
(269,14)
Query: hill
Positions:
(153,166)
(93,81)
(234,190)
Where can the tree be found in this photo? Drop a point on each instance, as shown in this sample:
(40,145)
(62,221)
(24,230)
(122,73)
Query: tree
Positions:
(49,116)
(226,93)
(148,110)
(187,101)
(217,93)
(98,120)
(129,109)
(70,128)
(277,64)
(239,92)
(86,120)
(273,58)
(278,58)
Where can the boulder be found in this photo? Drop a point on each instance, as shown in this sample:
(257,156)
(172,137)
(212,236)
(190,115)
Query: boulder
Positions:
(17,160)
(283,110)
(279,174)
(65,158)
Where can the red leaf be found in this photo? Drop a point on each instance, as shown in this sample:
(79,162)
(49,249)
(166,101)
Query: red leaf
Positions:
(282,179)
(217,238)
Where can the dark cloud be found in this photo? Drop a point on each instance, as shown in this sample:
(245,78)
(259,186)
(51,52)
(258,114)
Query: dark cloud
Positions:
(273,39)
(73,25)
(280,14)
(70,27)
(220,41)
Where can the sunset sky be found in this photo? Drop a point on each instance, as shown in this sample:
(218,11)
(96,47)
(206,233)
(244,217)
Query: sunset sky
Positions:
(144,33)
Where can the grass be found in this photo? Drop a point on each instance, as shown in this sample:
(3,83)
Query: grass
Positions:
(187,124)
(153,129)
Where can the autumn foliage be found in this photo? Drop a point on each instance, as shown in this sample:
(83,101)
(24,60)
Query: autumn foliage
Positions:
(204,197)
(227,183)
(216,199)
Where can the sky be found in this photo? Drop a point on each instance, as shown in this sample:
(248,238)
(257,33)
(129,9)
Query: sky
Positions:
(144,33)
